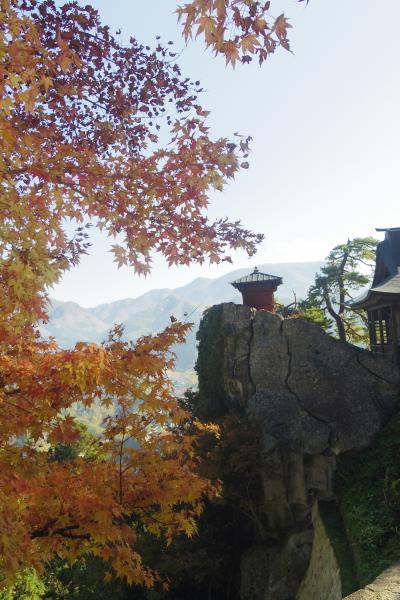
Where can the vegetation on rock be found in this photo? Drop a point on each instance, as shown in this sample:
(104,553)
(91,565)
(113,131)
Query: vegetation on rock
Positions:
(211,400)
(348,268)
(368,489)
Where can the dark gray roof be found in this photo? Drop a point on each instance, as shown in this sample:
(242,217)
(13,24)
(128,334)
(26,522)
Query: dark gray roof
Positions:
(257,277)
(387,256)
(387,270)
(391,285)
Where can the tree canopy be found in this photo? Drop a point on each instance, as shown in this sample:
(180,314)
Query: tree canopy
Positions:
(96,133)
(347,270)
(238,29)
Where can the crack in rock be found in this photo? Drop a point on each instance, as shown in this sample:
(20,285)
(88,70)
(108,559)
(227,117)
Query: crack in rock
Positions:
(371,372)
(290,389)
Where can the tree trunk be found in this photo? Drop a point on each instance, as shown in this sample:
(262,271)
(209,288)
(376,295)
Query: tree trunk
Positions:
(339,323)
(342,294)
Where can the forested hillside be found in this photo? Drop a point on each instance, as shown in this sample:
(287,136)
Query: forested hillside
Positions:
(150,312)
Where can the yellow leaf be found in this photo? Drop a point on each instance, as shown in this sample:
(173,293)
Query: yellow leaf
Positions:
(231,52)
(46,82)
(249,42)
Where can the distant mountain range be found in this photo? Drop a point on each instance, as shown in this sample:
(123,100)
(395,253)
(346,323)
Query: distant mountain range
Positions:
(151,312)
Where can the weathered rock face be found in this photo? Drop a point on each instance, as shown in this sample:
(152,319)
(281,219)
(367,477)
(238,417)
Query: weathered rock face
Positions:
(276,572)
(314,398)
(385,587)
(313,393)
(322,581)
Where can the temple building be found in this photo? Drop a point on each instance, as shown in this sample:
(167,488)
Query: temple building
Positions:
(382,300)
(258,290)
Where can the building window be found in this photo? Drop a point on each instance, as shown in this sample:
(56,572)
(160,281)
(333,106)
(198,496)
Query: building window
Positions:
(380,327)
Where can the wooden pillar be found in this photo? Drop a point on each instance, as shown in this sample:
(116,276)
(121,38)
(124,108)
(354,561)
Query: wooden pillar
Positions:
(395,314)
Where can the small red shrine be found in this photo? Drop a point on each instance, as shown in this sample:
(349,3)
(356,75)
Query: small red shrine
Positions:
(258,290)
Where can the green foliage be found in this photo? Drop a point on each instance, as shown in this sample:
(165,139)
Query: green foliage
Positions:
(84,580)
(334,527)
(310,310)
(86,446)
(28,587)
(348,268)
(368,488)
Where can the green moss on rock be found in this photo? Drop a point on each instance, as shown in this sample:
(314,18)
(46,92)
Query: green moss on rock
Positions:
(368,489)
(335,530)
(212,401)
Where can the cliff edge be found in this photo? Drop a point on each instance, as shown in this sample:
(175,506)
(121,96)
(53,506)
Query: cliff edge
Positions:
(314,399)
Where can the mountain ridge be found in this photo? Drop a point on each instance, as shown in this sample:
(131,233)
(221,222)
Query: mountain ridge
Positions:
(150,312)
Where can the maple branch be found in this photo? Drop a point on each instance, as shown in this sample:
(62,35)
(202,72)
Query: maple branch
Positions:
(94,103)
(45,528)
(120,467)
(14,392)
(16,406)
(73,536)
(63,531)
(106,110)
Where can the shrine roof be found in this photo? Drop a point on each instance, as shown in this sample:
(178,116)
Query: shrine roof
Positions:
(386,281)
(387,255)
(390,286)
(256,277)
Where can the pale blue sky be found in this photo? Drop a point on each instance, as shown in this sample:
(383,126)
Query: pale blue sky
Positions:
(326,129)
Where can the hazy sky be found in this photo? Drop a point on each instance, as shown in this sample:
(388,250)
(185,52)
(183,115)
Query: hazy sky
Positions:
(326,129)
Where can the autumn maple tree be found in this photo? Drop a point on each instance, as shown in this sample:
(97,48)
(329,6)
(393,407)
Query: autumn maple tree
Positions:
(80,123)
(238,29)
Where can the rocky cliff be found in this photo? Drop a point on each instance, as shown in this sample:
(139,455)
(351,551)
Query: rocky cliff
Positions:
(314,399)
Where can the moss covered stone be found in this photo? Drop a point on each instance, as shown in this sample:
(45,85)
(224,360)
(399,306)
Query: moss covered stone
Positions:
(212,398)
(334,527)
(368,489)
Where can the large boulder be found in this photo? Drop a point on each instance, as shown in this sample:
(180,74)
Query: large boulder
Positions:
(313,398)
(312,392)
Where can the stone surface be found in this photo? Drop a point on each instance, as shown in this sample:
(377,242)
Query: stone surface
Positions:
(238,333)
(286,423)
(313,398)
(322,580)
(268,572)
(385,587)
(306,387)
(310,389)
